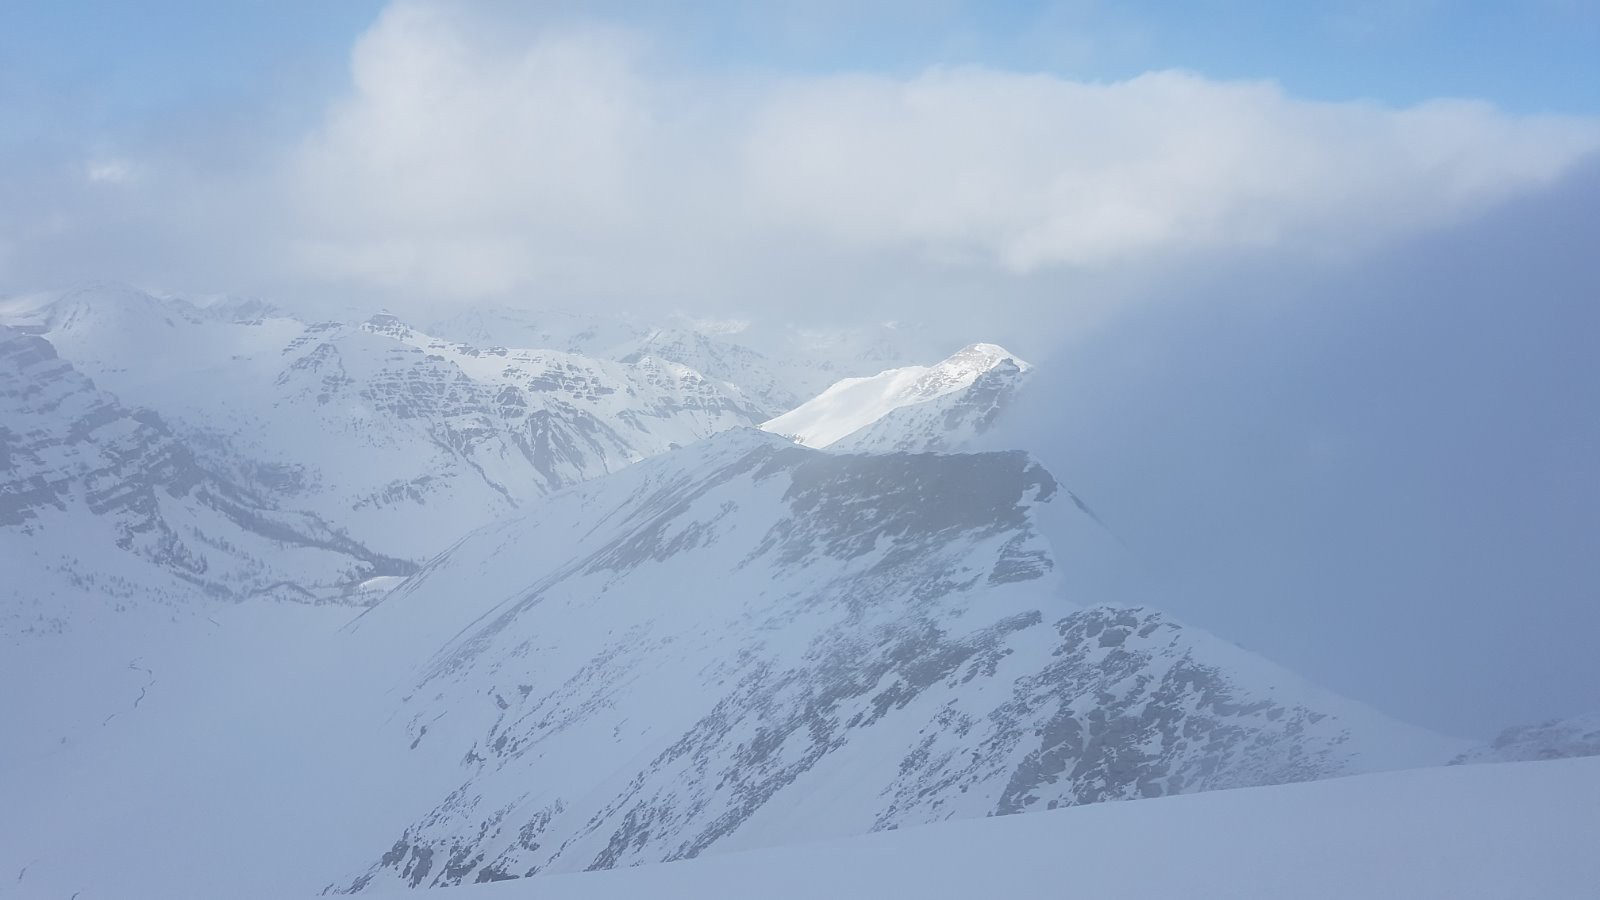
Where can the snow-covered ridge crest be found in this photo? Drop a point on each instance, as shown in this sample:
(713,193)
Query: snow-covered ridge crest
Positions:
(745,643)
(854,404)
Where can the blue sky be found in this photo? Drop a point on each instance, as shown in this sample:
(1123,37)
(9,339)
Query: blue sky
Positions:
(1531,56)
(103,67)
(99,70)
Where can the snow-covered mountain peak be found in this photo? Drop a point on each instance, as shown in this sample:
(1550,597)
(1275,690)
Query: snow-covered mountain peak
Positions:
(389,325)
(855,404)
(109,306)
(976,358)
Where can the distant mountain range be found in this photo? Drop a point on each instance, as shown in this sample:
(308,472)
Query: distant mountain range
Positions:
(293,606)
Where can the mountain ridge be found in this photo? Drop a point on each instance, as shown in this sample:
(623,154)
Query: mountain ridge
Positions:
(862,621)
(912,408)
(404,440)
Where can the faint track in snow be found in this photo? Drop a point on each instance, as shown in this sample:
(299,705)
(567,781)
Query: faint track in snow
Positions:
(143,690)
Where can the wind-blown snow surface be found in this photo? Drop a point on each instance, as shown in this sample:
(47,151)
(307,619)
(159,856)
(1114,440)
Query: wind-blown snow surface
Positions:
(740,643)
(918,407)
(1489,832)
(949,422)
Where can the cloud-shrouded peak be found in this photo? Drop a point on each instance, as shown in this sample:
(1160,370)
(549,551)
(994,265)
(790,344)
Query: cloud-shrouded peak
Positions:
(978,358)
(856,403)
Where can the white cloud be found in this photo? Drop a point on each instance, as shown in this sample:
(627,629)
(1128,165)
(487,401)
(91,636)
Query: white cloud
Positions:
(453,156)
(468,161)
(108,171)
(472,157)
(1026,171)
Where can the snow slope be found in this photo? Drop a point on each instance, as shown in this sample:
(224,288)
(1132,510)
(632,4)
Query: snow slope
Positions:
(105,506)
(948,422)
(1489,832)
(854,404)
(746,643)
(115,544)
(811,359)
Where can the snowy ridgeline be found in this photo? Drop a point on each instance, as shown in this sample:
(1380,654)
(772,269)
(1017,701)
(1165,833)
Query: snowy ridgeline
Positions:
(747,643)
(909,409)
(1486,832)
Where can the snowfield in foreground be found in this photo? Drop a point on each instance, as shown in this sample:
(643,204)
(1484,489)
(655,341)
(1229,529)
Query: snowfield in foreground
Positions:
(1486,831)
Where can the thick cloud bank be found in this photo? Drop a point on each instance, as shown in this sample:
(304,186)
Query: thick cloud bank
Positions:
(473,157)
